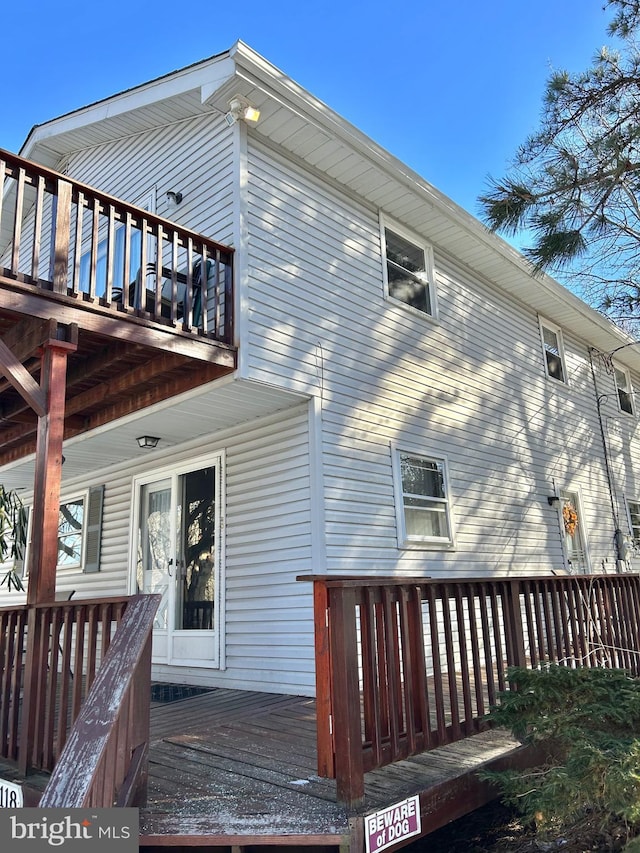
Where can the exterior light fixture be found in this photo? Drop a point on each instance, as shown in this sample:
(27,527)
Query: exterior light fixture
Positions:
(147,441)
(241,109)
(553,500)
(174,197)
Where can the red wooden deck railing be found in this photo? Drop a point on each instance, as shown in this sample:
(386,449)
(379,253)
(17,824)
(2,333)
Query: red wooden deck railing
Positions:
(72,638)
(104,761)
(406,665)
(74,242)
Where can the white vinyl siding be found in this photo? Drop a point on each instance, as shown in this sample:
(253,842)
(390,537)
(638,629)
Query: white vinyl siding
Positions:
(193,157)
(470,388)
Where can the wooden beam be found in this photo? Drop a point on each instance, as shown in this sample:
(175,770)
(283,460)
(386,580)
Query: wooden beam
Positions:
(124,383)
(22,380)
(20,298)
(29,426)
(170,388)
(121,408)
(26,337)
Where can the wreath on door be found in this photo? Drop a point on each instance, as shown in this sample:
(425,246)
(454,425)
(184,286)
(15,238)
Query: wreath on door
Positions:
(570,518)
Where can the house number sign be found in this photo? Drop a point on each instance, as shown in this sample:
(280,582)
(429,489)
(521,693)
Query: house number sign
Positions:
(10,795)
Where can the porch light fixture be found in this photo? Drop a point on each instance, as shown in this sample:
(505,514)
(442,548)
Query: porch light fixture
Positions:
(553,500)
(174,197)
(147,441)
(241,109)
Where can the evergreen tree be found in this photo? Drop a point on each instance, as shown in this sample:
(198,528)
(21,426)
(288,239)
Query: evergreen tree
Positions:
(575,184)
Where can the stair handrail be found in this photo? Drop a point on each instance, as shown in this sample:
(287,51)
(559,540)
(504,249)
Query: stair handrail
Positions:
(104,761)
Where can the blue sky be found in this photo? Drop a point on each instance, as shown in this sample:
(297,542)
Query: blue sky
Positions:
(451,87)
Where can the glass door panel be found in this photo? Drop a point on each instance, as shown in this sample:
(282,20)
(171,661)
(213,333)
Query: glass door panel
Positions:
(196,550)
(155,546)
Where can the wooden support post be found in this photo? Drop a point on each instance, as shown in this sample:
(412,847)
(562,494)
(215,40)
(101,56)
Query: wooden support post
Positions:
(44,544)
(326,766)
(48,475)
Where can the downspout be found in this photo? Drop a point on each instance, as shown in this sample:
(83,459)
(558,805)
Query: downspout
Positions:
(618,535)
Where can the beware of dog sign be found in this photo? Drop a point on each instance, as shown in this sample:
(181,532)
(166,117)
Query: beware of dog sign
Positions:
(391,825)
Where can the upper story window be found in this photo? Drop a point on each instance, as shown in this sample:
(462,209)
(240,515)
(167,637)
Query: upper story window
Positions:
(624,389)
(553,349)
(409,268)
(422,500)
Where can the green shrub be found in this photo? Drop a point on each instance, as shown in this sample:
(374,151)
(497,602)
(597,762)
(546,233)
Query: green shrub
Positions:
(588,723)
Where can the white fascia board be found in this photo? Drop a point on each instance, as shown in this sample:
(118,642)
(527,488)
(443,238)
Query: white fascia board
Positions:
(207,76)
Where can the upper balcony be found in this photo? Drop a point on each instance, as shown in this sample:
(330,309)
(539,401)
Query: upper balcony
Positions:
(148,303)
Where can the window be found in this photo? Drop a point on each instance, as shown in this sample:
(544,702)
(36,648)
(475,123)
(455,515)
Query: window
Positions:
(422,500)
(71,533)
(625,390)
(553,351)
(79,531)
(634,521)
(409,273)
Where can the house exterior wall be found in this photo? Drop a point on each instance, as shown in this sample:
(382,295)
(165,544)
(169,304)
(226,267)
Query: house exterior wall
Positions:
(268,535)
(470,387)
(194,157)
(312,489)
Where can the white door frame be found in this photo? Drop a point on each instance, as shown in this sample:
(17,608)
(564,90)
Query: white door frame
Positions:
(565,493)
(179,646)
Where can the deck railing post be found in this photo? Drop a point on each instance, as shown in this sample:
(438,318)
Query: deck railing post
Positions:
(326,765)
(62,236)
(514,634)
(32,701)
(347,731)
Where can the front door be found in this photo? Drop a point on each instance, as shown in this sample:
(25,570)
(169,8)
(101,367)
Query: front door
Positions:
(178,556)
(574,534)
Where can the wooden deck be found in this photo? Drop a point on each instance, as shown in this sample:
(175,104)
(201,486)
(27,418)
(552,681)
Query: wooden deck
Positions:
(237,769)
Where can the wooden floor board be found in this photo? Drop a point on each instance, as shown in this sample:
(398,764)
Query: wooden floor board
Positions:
(243,764)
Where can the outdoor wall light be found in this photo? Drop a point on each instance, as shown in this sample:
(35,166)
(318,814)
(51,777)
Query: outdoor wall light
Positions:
(174,197)
(240,108)
(553,500)
(147,441)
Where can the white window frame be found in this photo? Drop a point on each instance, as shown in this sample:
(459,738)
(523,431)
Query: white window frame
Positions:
(426,277)
(422,542)
(557,331)
(80,564)
(625,387)
(634,530)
